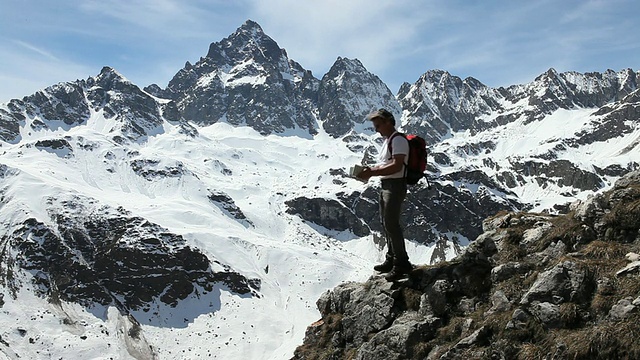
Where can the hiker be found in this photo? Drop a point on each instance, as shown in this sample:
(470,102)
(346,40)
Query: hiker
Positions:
(391,168)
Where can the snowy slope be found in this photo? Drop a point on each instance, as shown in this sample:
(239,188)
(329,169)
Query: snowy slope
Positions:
(520,142)
(295,262)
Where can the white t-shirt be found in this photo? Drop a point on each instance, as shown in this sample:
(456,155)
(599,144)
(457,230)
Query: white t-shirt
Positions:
(399,146)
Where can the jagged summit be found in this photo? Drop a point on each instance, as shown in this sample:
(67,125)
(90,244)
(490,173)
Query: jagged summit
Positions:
(343,64)
(248,41)
(109,72)
(250,26)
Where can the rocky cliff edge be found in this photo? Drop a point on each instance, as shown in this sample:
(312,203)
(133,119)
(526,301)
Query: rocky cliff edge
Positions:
(532,286)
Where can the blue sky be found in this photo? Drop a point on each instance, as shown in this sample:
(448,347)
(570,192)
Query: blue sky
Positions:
(500,43)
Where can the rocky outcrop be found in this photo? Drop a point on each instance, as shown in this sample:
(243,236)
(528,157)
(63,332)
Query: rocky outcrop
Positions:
(560,172)
(328,213)
(225,203)
(91,253)
(524,276)
(154,169)
(429,212)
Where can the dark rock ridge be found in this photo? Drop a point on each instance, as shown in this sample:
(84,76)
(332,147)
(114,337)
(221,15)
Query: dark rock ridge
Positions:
(224,202)
(532,286)
(90,253)
(329,213)
(427,214)
(70,104)
(562,172)
(153,169)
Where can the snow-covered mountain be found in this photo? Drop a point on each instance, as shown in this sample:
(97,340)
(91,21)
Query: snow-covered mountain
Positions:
(204,219)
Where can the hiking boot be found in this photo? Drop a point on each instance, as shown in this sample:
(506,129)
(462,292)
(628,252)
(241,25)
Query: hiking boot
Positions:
(385,267)
(399,271)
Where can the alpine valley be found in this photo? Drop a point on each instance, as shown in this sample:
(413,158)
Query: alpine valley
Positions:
(204,219)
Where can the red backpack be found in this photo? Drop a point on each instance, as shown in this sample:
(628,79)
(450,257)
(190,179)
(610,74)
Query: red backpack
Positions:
(417,162)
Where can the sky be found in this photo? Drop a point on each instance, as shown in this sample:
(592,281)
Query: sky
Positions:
(500,43)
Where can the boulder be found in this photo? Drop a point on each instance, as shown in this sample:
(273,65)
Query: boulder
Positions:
(499,302)
(623,309)
(564,282)
(547,313)
(396,342)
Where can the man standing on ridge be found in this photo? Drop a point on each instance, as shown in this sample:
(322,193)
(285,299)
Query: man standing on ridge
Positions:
(391,168)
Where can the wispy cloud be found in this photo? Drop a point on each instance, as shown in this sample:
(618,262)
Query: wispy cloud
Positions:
(35,49)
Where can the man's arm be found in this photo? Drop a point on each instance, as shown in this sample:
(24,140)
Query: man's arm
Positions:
(391,168)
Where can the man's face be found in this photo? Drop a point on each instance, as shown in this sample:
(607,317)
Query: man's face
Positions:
(380,125)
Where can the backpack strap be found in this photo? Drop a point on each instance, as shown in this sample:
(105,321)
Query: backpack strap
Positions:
(391,141)
(404,166)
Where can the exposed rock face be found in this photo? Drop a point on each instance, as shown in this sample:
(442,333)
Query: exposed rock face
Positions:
(226,203)
(348,93)
(442,208)
(69,104)
(60,147)
(153,169)
(138,112)
(427,212)
(330,214)
(245,79)
(439,103)
(524,275)
(91,253)
(566,173)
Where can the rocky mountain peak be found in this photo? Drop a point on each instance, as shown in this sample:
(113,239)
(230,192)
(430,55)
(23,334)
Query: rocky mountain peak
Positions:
(110,79)
(248,42)
(245,79)
(551,74)
(250,27)
(110,75)
(343,64)
(348,92)
(449,103)
(628,80)
(443,86)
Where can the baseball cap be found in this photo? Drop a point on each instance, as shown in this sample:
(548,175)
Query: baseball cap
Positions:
(381,113)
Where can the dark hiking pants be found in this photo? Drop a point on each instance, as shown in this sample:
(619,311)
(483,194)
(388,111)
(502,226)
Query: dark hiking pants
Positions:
(391,197)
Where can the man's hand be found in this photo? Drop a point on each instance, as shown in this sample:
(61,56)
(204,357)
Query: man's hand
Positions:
(365,174)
